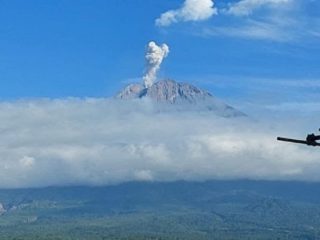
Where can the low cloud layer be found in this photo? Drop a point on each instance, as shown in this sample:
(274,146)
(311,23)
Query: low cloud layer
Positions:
(99,141)
(191,10)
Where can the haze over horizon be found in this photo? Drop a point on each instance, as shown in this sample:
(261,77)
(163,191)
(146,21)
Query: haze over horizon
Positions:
(61,63)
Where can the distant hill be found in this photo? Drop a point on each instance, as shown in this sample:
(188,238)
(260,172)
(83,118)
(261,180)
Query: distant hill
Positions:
(171,95)
(155,210)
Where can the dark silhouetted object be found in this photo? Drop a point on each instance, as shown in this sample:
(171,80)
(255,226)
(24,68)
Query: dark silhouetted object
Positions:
(311,140)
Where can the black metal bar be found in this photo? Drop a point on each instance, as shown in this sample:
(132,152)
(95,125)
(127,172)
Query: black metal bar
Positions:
(297,141)
(291,140)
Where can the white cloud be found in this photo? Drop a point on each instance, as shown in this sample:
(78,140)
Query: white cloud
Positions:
(191,10)
(251,29)
(304,107)
(272,20)
(247,7)
(27,161)
(144,175)
(99,141)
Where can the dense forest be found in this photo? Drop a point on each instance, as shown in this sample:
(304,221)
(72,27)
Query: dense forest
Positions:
(152,210)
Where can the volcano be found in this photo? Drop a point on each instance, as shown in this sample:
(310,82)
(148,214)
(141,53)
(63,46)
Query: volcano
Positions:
(172,95)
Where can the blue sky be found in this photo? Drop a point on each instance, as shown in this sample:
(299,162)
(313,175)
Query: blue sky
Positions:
(60,60)
(57,49)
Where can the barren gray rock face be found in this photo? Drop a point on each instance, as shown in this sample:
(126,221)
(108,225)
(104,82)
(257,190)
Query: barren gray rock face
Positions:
(171,92)
(131,91)
(171,95)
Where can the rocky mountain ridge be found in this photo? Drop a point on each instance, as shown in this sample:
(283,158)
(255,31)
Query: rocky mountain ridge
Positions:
(179,96)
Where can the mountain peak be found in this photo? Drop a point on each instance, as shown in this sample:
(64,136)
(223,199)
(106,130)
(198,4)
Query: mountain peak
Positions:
(172,92)
(168,91)
(180,96)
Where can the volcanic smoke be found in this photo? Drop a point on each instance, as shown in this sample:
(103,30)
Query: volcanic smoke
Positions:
(154,57)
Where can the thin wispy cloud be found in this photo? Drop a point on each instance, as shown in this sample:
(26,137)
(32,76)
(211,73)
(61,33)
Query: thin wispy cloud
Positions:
(191,10)
(274,20)
(266,98)
(247,7)
(252,29)
(271,20)
(297,107)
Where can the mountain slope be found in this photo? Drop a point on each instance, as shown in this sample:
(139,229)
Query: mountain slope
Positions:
(164,210)
(171,95)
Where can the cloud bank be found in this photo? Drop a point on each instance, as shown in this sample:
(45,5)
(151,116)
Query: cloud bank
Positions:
(103,141)
(191,10)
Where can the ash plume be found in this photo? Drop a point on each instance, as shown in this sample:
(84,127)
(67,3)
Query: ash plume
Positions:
(154,57)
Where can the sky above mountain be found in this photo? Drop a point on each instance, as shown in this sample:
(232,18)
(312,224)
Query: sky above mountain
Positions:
(250,50)
(62,61)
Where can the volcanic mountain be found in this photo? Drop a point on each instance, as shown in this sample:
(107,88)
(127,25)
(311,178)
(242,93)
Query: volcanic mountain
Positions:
(171,95)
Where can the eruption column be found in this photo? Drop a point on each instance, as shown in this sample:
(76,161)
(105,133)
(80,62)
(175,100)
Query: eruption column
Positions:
(154,57)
